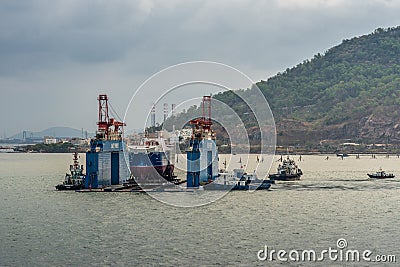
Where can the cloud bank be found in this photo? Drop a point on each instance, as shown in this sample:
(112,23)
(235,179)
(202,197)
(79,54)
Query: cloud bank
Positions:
(57,56)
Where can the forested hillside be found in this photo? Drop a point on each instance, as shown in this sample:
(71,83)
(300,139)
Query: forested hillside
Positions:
(352,91)
(349,92)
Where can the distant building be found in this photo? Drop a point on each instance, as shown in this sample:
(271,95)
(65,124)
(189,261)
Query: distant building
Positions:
(49,140)
(80,141)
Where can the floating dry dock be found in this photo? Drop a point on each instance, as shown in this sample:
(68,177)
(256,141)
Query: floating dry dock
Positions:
(107,167)
(105,162)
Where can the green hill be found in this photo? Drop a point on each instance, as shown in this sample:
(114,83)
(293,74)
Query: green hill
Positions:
(352,91)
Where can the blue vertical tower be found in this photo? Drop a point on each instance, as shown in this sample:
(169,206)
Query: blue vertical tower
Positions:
(193,164)
(202,155)
(208,161)
(105,164)
(105,161)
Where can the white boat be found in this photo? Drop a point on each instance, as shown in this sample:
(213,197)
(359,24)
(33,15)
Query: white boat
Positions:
(288,171)
(238,180)
(380,175)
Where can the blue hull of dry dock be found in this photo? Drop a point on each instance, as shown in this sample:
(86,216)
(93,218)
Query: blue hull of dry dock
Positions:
(105,164)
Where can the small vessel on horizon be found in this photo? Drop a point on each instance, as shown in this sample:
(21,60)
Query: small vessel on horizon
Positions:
(381,174)
(288,171)
(75,179)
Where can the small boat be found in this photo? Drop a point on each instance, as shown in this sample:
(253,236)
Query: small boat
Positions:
(380,175)
(75,179)
(288,171)
(238,180)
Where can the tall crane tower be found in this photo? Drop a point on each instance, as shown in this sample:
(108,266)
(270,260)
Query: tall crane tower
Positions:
(107,128)
(201,127)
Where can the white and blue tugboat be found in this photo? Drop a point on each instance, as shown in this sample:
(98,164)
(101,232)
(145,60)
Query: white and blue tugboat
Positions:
(288,171)
(75,179)
(381,174)
(238,180)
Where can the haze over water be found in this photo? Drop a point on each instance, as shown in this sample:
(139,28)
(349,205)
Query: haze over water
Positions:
(335,199)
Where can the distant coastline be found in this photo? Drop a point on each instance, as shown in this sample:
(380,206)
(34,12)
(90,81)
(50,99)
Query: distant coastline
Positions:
(389,149)
(42,148)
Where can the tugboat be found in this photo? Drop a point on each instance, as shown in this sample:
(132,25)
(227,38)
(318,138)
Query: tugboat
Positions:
(238,180)
(380,175)
(74,179)
(288,171)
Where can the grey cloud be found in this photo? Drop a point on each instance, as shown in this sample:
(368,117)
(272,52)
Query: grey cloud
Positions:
(62,49)
(255,32)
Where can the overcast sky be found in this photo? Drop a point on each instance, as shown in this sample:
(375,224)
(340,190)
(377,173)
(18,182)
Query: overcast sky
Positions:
(57,56)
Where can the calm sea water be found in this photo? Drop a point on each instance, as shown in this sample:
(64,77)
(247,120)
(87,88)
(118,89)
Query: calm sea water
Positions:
(42,227)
